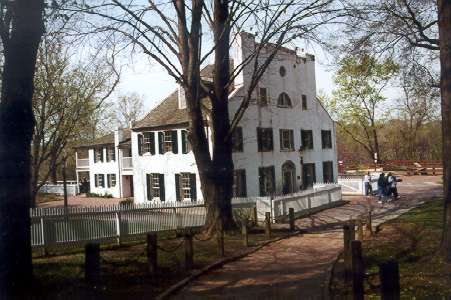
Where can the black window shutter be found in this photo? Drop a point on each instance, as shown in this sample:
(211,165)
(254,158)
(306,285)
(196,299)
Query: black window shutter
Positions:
(95,155)
(96,176)
(192,183)
(175,145)
(149,186)
(281,140)
(107,158)
(177,187)
(103,180)
(152,142)
(184,141)
(261,179)
(101,155)
(273,174)
(243,184)
(160,142)
(140,144)
(108,179)
(162,190)
(113,156)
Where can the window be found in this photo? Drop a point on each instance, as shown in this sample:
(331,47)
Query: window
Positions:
(239,183)
(284,100)
(155,186)
(185,184)
(98,155)
(110,154)
(288,177)
(263,96)
(167,141)
(237,140)
(328,171)
(326,139)
(186,145)
(99,180)
(307,139)
(264,139)
(147,143)
(286,140)
(304,102)
(111,180)
(282,71)
(266,177)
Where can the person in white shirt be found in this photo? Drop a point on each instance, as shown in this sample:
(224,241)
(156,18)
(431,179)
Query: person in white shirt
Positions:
(367,183)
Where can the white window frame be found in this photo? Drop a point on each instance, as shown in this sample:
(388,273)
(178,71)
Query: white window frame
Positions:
(155,185)
(167,141)
(185,182)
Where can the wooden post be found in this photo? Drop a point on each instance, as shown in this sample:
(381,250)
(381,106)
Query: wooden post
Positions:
(255,216)
(352,229)
(357,271)
(389,277)
(220,240)
(291,218)
(268,225)
(92,262)
(369,225)
(189,253)
(347,250)
(359,230)
(151,249)
(245,234)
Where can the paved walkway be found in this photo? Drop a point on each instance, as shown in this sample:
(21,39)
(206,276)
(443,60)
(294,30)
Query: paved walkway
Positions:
(297,267)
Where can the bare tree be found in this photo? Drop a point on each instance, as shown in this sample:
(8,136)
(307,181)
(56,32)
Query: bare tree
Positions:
(128,108)
(21,28)
(67,96)
(173,34)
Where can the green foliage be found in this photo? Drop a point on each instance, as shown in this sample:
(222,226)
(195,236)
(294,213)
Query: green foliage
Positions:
(358,102)
(98,195)
(126,201)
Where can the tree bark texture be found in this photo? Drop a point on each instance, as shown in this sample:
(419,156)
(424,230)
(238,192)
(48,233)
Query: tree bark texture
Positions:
(16,129)
(444,18)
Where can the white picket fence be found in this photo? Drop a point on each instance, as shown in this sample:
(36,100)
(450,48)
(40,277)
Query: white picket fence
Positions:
(353,185)
(77,225)
(319,195)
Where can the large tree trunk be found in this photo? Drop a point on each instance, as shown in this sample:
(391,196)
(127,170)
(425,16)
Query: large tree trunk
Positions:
(444,18)
(16,129)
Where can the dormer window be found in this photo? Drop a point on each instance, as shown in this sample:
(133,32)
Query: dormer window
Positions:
(284,100)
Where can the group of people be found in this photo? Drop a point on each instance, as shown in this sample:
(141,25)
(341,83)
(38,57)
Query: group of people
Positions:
(386,186)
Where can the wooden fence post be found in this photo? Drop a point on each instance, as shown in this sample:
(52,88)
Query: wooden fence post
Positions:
(244,232)
(352,229)
(357,271)
(92,262)
(255,215)
(291,218)
(359,230)
(268,225)
(189,253)
(369,225)
(220,240)
(151,249)
(389,277)
(347,250)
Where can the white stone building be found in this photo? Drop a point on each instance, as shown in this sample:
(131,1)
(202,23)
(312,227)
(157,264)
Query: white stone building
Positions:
(285,140)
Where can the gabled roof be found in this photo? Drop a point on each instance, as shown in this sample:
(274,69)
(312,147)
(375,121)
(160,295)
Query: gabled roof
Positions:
(103,140)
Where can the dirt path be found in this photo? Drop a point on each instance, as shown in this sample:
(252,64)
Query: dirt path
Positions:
(297,268)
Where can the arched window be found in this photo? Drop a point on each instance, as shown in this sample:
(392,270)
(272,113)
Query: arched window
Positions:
(288,177)
(284,100)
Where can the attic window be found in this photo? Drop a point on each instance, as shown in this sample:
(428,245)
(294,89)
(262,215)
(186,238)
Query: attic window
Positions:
(284,100)
(282,71)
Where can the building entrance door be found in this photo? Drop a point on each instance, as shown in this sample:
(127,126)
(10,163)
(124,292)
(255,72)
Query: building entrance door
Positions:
(308,175)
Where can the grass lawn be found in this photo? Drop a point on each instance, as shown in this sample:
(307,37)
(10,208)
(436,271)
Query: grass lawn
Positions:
(124,270)
(413,240)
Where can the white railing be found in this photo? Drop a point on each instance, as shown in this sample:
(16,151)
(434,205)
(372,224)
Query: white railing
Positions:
(52,227)
(353,185)
(82,163)
(127,163)
(301,201)
(58,188)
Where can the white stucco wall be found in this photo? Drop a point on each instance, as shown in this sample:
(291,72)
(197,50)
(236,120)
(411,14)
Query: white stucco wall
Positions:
(168,164)
(104,168)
